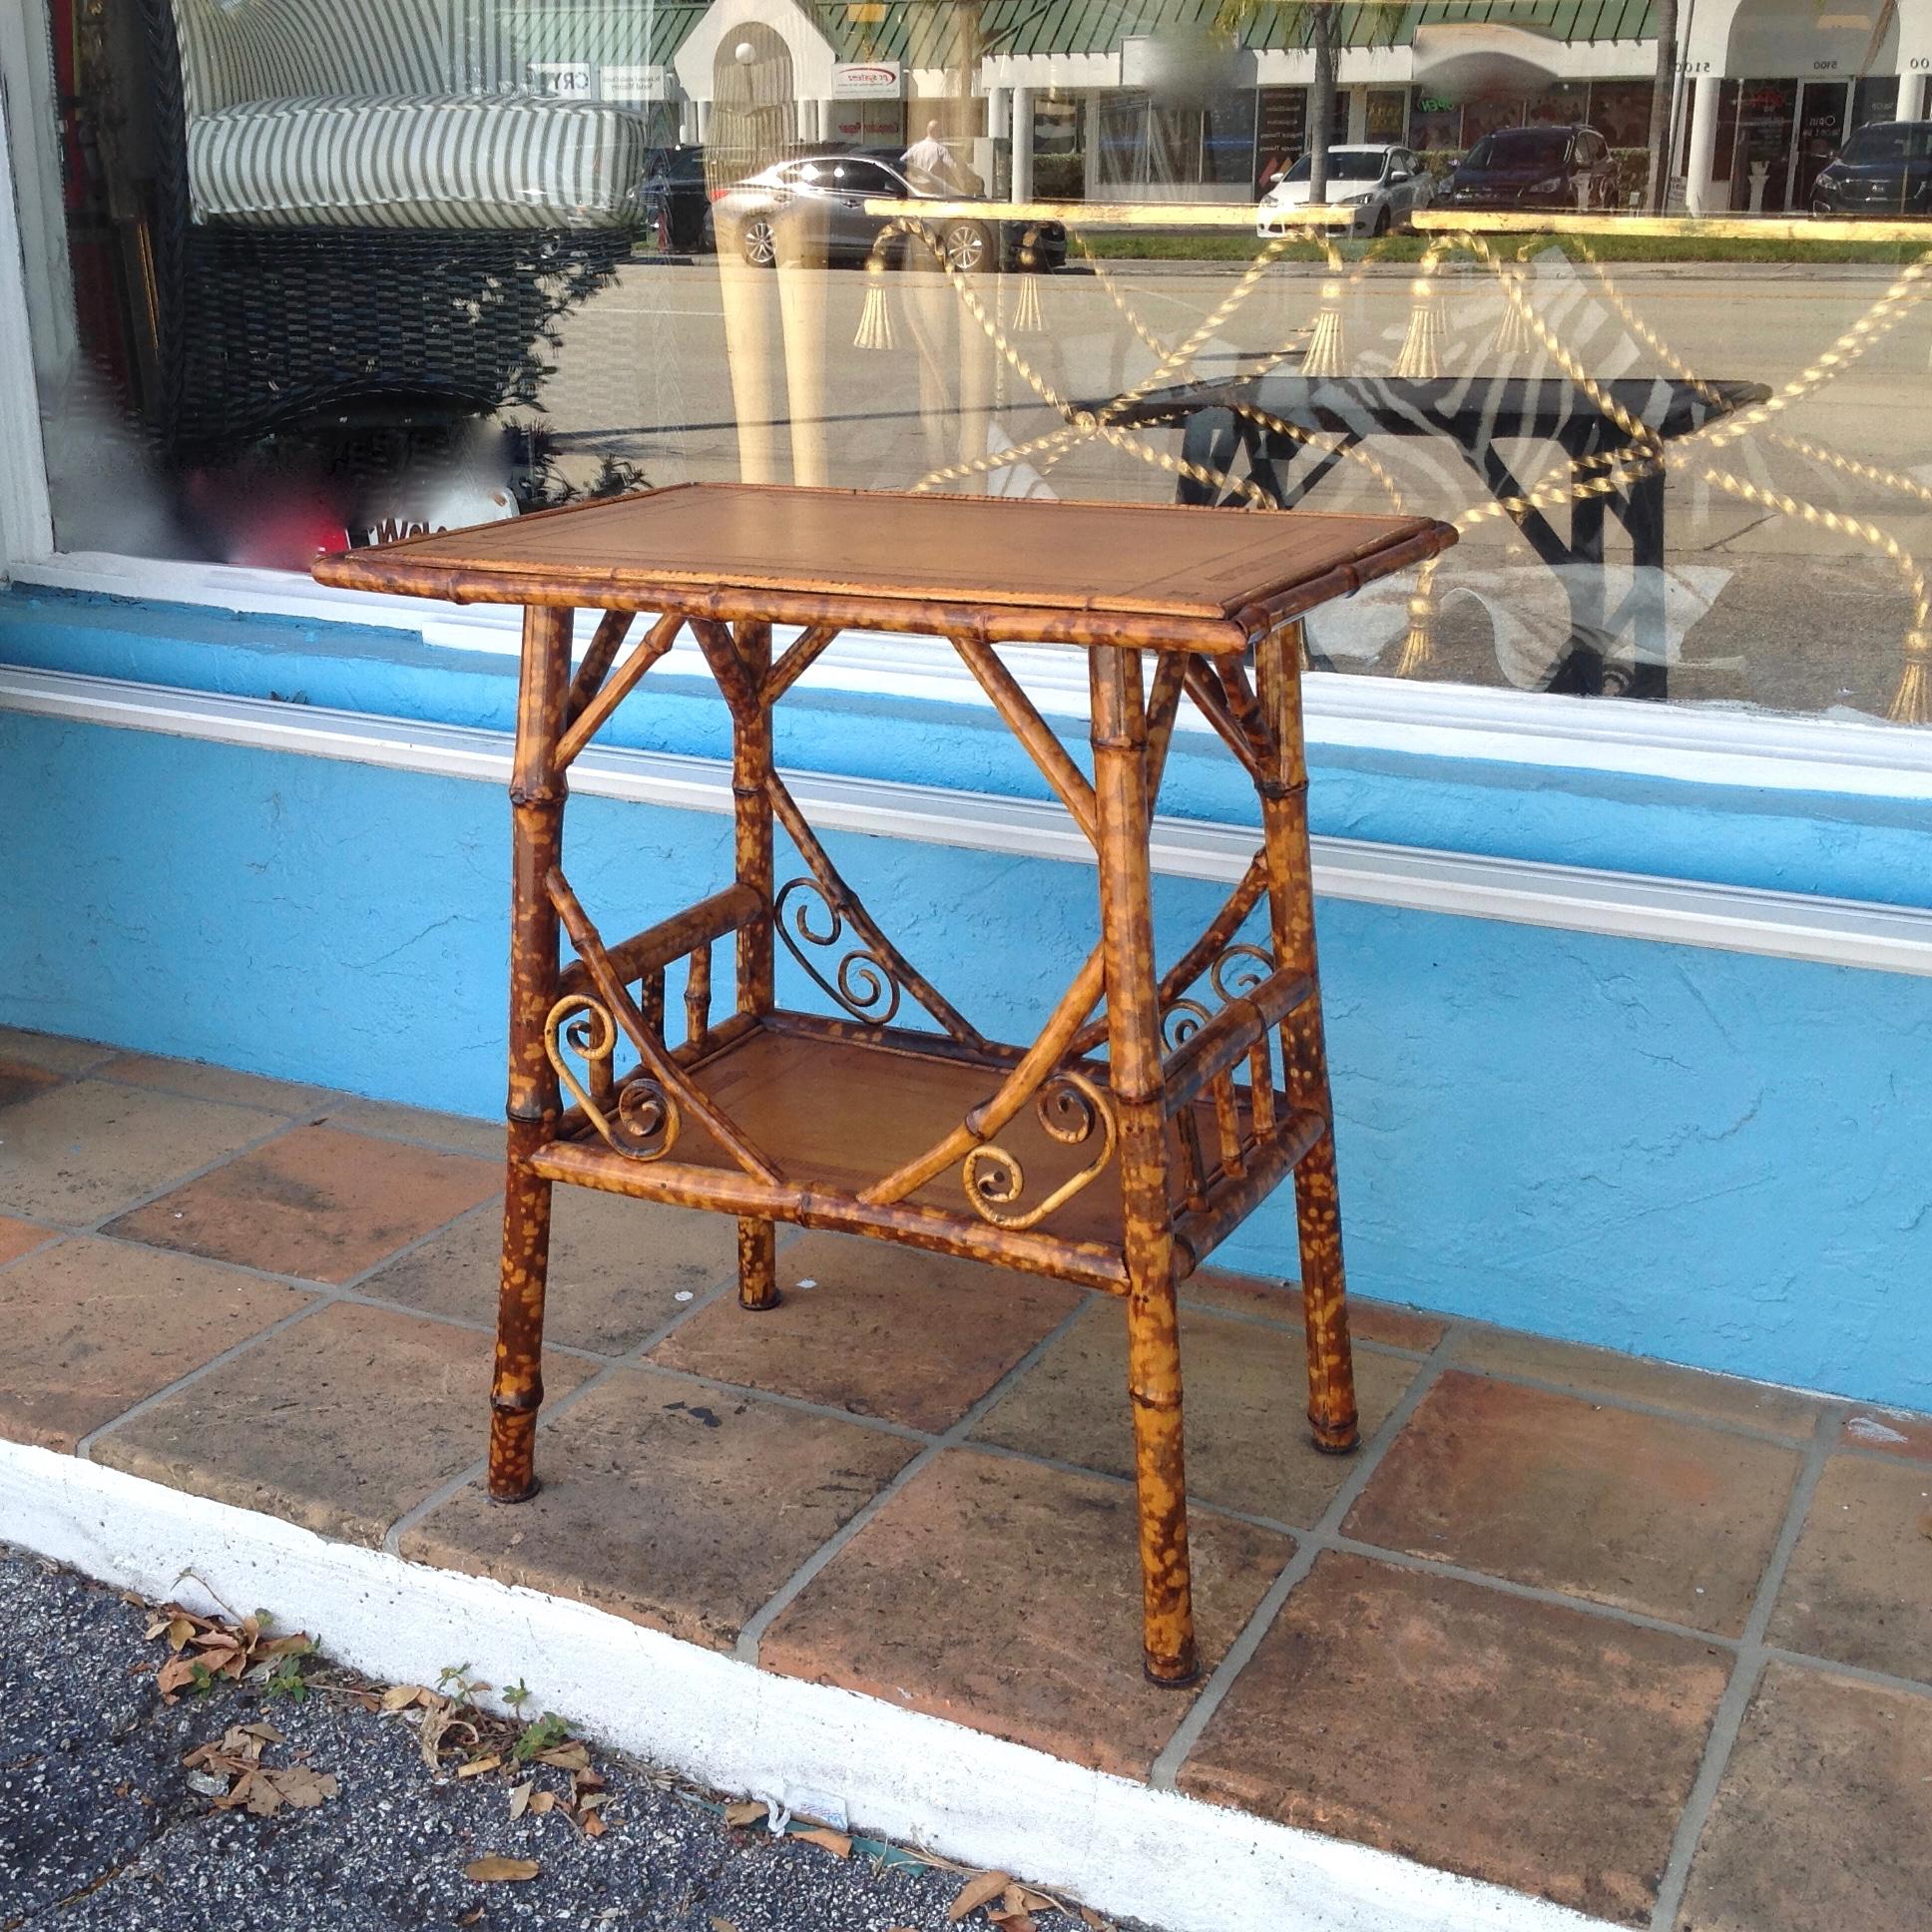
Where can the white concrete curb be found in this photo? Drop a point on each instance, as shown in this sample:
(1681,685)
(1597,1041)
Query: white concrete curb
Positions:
(1121,1847)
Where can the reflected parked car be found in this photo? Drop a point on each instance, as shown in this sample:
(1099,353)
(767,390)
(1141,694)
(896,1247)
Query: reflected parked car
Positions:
(676,204)
(1884,168)
(1383,186)
(1554,167)
(832,190)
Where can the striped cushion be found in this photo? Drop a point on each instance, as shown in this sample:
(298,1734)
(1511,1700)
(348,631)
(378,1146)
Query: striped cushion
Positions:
(236,51)
(416,162)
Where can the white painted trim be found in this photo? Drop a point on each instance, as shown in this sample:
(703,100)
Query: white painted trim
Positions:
(1703,744)
(1121,1847)
(1783,925)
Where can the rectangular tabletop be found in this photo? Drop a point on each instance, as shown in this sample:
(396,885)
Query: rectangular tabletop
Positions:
(1048,571)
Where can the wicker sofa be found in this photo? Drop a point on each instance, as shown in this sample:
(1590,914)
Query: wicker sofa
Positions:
(360,201)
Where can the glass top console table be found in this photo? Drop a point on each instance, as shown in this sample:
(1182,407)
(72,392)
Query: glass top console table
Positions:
(1158,1105)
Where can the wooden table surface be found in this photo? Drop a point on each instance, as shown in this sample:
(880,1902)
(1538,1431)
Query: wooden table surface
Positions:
(1052,572)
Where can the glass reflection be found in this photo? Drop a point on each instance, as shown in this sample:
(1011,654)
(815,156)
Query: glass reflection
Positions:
(332,270)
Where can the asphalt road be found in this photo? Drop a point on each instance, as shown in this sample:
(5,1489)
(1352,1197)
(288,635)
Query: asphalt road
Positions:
(102,1831)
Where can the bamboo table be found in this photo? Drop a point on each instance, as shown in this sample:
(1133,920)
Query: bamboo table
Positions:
(1212,1086)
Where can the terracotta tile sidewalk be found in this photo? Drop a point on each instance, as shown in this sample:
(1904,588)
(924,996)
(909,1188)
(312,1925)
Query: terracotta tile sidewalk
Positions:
(1650,1643)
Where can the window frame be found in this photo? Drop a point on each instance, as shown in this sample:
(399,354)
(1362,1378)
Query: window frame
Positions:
(1538,730)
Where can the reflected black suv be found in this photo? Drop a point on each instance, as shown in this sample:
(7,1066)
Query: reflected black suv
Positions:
(1884,168)
(1554,167)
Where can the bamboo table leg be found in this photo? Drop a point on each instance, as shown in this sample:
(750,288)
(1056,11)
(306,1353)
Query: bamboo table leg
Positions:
(757,1279)
(1291,907)
(1135,1075)
(537,792)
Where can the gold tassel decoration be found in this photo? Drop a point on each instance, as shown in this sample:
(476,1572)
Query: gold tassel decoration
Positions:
(875,319)
(1027,319)
(1513,337)
(1421,357)
(1418,653)
(1912,704)
(1325,353)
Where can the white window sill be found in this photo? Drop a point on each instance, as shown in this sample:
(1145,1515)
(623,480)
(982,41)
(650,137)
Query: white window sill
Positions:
(1705,743)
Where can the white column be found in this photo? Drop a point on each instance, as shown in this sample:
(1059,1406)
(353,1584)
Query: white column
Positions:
(1357,114)
(1699,195)
(1023,144)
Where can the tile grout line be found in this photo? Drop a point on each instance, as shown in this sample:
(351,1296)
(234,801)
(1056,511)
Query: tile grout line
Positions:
(323,1294)
(285,1123)
(84,1447)
(560,1405)
(1194,1719)
(1746,1672)
(1287,1324)
(322,1112)
(1634,1405)
(1859,1673)
(751,1634)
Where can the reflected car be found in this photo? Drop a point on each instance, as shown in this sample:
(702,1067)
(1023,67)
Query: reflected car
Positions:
(1553,167)
(831,191)
(676,204)
(1884,168)
(1381,187)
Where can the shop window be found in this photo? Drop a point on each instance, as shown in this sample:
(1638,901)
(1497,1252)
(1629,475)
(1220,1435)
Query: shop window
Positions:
(1388,113)
(440,260)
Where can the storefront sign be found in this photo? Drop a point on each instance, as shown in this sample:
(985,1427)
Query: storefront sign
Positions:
(867,81)
(636,84)
(576,79)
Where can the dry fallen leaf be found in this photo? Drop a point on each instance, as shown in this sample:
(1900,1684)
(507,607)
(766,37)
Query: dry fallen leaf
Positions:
(520,1797)
(302,1788)
(438,1714)
(1092,1920)
(722,1925)
(175,1676)
(543,1801)
(749,1811)
(399,1696)
(180,1630)
(501,1871)
(259,1792)
(478,1766)
(566,1757)
(1013,1921)
(592,1825)
(975,1893)
(835,1843)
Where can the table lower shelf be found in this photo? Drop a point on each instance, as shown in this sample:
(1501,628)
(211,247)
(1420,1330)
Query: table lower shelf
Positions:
(831,1109)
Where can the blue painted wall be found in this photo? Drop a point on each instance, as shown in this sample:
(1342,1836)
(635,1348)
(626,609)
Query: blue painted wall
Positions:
(1712,1157)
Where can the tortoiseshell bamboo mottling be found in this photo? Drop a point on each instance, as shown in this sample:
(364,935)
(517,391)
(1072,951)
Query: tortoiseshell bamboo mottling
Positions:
(751,777)
(1119,736)
(1304,1052)
(1197,1132)
(537,823)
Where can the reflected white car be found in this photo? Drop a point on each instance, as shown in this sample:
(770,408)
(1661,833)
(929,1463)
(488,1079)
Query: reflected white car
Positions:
(1381,187)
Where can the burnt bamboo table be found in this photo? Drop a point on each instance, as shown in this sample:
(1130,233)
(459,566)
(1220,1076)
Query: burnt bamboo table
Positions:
(1191,1093)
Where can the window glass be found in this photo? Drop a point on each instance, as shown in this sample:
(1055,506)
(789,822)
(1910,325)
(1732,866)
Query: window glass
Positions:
(305,272)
